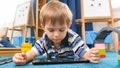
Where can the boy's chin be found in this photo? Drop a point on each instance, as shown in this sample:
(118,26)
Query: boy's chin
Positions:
(57,42)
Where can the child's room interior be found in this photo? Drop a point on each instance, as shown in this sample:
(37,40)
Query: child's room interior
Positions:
(97,22)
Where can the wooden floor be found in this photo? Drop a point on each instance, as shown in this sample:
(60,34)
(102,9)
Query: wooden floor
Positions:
(9,51)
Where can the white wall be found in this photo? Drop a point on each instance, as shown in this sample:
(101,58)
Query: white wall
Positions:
(116,13)
(7,13)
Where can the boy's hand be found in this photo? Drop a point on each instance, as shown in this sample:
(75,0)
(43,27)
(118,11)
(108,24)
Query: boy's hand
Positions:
(92,55)
(20,59)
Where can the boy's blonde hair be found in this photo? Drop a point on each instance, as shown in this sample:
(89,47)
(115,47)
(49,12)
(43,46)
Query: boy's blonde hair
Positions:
(55,12)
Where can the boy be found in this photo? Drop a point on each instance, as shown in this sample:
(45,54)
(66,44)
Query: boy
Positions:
(58,39)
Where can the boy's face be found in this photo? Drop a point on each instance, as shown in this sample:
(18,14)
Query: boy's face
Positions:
(57,32)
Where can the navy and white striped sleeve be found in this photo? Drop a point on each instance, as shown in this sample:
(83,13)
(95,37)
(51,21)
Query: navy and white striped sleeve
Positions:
(78,45)
(38,48)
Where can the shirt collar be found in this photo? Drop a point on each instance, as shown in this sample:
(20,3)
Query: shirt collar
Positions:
(64,42)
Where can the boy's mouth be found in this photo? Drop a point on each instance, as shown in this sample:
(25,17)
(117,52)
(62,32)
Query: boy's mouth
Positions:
(56,39)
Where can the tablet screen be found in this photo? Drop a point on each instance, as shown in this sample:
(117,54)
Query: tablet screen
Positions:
(43,61)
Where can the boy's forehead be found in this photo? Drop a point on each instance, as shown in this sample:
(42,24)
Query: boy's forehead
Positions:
(56,25)
(50,23)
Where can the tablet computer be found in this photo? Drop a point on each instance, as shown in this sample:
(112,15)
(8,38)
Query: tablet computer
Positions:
(45,61)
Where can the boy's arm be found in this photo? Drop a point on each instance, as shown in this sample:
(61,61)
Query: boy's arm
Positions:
(23,58)
(30,55)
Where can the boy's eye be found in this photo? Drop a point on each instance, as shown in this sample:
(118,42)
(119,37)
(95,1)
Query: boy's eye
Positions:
(51,30)
(61,30)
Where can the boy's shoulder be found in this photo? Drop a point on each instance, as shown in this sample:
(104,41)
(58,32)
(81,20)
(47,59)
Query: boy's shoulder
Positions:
(72,36)
(71,33)
(42,39)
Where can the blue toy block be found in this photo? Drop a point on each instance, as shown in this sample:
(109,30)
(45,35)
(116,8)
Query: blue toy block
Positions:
(119,52)
(17,40)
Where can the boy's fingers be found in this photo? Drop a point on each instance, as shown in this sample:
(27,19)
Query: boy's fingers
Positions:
(23,55)
(19,59)
(94,60)
(20,56)
(94,55)
(94,51)
(19,62)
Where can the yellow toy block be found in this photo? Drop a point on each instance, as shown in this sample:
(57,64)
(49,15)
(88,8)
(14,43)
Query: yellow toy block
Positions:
(26,47)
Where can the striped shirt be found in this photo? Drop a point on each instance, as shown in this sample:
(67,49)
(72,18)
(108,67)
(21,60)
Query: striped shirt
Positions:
(71,46)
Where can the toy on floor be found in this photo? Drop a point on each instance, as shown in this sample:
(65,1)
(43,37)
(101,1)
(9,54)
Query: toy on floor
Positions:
(101,48)
(99,41)
(26,46)
(119,49)
(3,61)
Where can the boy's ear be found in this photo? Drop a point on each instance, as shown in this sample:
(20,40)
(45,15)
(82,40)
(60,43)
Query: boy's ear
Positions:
(43,27)
(69,25)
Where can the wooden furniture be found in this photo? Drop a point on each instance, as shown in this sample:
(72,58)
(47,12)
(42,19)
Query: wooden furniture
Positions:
(24,19)
(91,12)
(39,30)
(9,51)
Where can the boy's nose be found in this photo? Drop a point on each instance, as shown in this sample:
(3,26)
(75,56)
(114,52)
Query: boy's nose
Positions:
(56,34)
